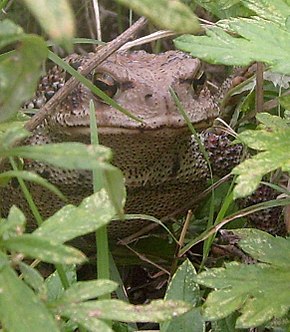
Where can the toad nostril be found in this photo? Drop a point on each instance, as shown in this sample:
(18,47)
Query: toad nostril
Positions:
(148,96)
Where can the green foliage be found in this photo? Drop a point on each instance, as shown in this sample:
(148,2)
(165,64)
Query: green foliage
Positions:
(247,289)
(71,221)
(65,155)
(55,17)
(22,65)
(182,287)
(225,8)
(20,308)
(273,146)
(259,290)
(258,37)
(178,18)
(239,41)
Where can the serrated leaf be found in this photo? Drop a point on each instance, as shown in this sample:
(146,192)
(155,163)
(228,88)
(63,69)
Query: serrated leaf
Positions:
(265,247)
(87,290)
(55,17)
(65,155)
(94,212)
(274,146)
(182,287)
(256,37)
(20,309)
(252,287)
(22,66)
(156,311)
(46,250)
(172,15)
(225,8)
(276,11)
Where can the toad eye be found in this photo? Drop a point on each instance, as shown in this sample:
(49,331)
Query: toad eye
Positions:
(106,83)
(198,81)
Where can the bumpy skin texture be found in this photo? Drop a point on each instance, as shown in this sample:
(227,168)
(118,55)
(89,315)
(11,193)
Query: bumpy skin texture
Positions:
(162,164)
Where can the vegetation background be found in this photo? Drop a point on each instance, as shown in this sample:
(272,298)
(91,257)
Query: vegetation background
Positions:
(244,296)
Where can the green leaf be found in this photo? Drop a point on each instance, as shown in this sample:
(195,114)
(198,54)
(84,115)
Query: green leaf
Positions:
(65,155)
(250,287)
(12,134)
(20,309)
(115,186)
(274,146)
(54,285)
(226,325)
(225,8)
(9,32)
(182,287)
(265,247)
(46,250)
(272,121)
(275,11)
(33,177)
(34,279)
(156,311)
(172,15)
(22,66)
(256,37)
(87,290)
(55,17)
(14,224)
(285,101)
(70,222)
(82,318)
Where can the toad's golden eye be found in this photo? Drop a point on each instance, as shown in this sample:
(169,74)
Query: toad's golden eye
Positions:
(106,83)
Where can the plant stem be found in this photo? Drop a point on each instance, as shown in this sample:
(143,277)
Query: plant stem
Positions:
(27,195)
(103,264)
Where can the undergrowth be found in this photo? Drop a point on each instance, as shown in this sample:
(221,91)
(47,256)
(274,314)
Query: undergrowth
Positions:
(244,295)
